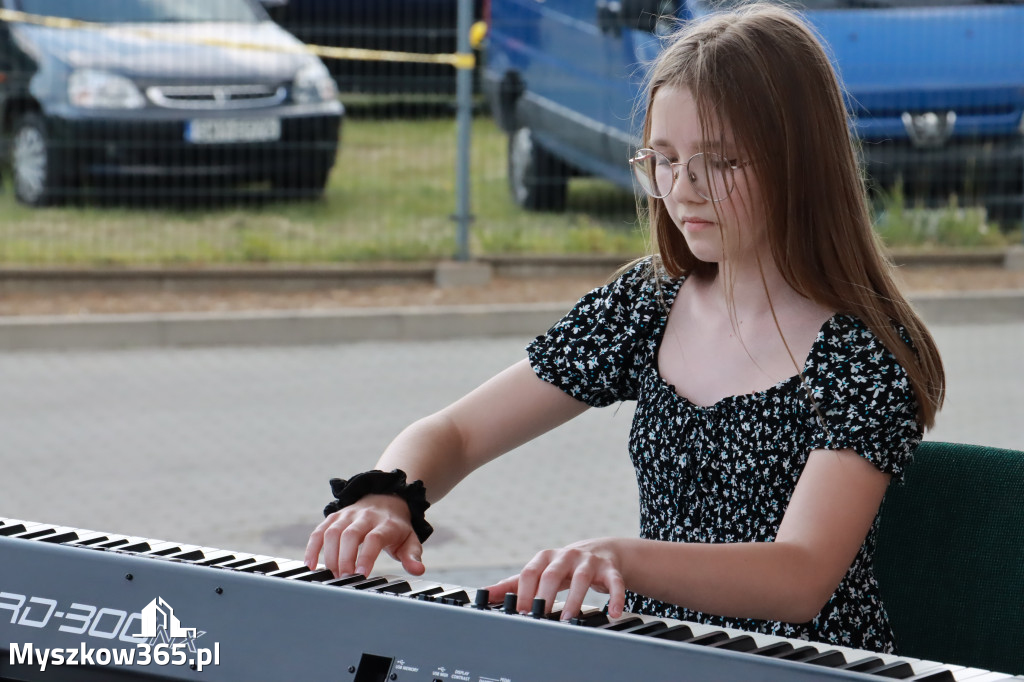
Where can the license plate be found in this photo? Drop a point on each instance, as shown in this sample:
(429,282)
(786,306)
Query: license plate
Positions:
(226,130)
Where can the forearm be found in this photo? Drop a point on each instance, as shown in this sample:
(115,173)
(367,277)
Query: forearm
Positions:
(432,450)
(762,580)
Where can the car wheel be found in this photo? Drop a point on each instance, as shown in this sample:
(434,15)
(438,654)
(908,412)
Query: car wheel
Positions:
(33,166)
(538,181)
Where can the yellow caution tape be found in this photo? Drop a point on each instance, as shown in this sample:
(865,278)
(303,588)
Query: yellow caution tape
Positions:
(458,60)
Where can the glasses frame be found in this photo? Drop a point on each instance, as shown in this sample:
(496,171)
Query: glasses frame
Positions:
(733,164)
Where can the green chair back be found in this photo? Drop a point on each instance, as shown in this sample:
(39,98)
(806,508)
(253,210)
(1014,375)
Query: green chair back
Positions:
(950,557)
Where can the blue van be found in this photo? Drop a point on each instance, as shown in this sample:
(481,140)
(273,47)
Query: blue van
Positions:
(935,88)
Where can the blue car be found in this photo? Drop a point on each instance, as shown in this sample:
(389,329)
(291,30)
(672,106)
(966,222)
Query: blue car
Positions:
(936,89)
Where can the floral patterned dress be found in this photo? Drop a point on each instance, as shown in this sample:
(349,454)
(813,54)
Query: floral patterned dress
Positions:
(725,473)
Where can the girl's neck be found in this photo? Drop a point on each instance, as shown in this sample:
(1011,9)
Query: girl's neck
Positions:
(750,292)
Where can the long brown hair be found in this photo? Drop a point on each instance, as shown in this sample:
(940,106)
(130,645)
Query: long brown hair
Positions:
(761,71)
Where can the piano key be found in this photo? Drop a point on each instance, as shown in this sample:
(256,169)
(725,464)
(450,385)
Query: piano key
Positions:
(425,591)
(773,649)
(863,665)
(288,570)
(741,643)
(898,670)
(938,675)
(113,544)
(216,559)
(314,576)
(828,659)
(135,547)
(647,628)
(393,587)
(799,653)
(12,529)
(622,623)
(34,533)
(675,633)
(346,580)
(89,538)
(268,566)
(238,563)
(62,535)
(453,597)
(368,583)
(590,619)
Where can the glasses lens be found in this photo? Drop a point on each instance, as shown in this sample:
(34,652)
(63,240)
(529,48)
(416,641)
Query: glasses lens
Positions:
(711,175)
(645,169)
(654,172)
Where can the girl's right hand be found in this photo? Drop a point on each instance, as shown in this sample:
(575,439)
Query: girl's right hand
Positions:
(353,538)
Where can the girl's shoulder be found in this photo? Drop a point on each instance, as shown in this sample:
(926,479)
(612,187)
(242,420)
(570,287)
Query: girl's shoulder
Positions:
(640,284)
(847,346)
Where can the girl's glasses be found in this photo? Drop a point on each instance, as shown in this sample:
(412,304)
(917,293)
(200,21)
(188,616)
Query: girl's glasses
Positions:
(712,175)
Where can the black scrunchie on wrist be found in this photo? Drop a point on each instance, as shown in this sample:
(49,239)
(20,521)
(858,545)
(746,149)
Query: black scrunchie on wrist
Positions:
(380,483)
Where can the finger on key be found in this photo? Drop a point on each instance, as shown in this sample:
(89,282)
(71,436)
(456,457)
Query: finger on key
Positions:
(348,546)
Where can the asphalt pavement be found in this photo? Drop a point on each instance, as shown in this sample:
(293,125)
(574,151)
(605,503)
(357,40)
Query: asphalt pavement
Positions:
(233,447)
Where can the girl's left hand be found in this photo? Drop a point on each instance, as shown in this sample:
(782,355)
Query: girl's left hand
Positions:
(577,568)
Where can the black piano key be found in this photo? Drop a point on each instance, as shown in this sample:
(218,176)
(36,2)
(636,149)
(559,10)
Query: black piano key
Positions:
(624,624)
(265,567)
(800,654)
(863,664)
(647,628)
(188,555)
(828,659)
(741,643)
(394,587)
(113,544)
(239,563)
(314,576)
(61,537)
(347,580)
(368,583)
(288,572)
(138,547)
(215,560)
(454,598)
(33,534)
(776,649)
(428,592)
(943,675)
(163,551)
(676,633)
(897,670)
(590,619)
(12,529)
(709,638)
(88,540)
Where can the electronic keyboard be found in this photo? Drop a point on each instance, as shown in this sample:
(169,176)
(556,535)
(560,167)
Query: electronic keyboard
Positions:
(85,605)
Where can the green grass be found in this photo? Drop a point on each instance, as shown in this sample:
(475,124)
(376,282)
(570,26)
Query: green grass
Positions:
(390,198)
(951,226)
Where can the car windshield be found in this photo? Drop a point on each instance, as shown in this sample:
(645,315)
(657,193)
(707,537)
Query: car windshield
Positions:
(144,11)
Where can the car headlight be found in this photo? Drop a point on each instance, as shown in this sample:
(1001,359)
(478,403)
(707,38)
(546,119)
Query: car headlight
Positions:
(93,89)
(313,83)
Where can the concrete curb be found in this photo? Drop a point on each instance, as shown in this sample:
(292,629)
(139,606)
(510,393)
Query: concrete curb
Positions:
(278,278)
(274,328)
(297,328)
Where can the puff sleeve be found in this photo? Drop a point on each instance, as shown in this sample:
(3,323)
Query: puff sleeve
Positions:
(864,398)
(595,352)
